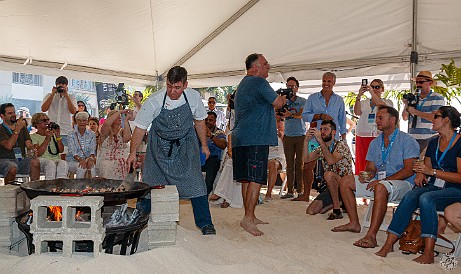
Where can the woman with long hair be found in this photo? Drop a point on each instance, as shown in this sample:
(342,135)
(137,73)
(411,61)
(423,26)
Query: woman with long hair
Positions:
(438,184)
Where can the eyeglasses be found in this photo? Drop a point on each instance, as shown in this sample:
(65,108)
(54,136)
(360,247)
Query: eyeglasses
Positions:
(211,102)
(437,116)
(45,120)
(375,87)
(421,82)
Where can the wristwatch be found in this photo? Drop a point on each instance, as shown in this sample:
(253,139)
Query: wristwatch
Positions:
(434,172)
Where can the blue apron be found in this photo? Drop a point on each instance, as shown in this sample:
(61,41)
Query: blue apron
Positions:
(172,155)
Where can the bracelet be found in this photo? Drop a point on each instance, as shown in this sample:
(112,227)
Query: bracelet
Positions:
(59,139)
(15,132)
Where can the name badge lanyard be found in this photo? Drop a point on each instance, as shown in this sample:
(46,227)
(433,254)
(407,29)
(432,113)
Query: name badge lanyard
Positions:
(372,107)
(385,151)
(332,146)
(439,161)
(11,132)
(419,106)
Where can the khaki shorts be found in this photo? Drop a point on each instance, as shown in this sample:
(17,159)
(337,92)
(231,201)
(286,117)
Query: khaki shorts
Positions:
(396,189)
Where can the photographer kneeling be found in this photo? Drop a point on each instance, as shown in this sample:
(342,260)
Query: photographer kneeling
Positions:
(48,142)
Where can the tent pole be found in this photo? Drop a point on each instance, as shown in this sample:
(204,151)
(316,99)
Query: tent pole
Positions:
(414,45)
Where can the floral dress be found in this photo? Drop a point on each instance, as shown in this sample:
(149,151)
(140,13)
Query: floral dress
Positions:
(112,155)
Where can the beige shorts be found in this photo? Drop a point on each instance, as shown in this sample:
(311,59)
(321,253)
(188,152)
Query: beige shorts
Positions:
(396,189)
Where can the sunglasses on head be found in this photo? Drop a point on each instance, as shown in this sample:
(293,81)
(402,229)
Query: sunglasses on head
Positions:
(375,87)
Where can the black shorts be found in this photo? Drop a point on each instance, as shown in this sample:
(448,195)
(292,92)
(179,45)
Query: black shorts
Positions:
(250,163)
(325,197)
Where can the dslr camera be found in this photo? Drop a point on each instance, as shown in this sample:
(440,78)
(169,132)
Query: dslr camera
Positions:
(53,125)
(288,92)
(282,110)
(60,89)
(121,96)
(412,99)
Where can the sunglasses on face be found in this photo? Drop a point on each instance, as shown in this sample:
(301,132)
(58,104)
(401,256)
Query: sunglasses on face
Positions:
(437,116)
(81,105)
(211,102)
(45,120)
(375,87)
(421,82)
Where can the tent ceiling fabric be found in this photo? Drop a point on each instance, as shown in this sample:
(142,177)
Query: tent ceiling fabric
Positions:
(130,41)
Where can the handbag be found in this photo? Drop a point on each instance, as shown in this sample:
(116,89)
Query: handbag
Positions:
(411,241)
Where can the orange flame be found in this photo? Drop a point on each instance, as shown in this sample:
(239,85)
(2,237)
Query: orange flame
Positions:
(57,213)
(78,217)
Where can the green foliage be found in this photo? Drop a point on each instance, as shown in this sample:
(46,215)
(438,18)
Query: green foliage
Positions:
(145,94)
(220,93)
(450,76)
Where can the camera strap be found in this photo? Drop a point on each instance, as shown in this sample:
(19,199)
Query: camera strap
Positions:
(81,148)
(55,145)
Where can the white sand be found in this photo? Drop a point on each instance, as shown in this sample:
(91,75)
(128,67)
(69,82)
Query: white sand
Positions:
(293,243)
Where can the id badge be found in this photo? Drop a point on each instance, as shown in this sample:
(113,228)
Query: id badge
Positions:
(381,175)
(371,118)
(439,183)
(17,153)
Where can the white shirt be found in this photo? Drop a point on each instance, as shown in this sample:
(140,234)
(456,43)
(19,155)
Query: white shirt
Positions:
(153,105)
(59,112)
(367,127)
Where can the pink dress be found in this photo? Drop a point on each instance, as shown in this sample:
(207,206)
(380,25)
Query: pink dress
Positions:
(112,155)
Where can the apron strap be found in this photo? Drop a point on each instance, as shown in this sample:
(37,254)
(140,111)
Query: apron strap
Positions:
(164,99)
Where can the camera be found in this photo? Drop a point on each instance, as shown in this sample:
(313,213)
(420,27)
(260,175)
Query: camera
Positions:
(121,96)
(288,92)
(282,110)
(231,101)
(411,98)
(60,89)
(53,125)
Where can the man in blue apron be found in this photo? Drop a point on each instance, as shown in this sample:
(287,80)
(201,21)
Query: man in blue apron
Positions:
(172,155)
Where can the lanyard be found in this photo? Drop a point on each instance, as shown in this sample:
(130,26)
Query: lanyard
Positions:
(439,161)
(385,151)
(418,107)
(372,107)
(332,146)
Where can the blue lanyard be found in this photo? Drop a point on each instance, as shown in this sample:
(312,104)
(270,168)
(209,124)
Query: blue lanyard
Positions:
(372,107)
(385,151)
(418,107)
(332,146)
(9,129)
(439,161)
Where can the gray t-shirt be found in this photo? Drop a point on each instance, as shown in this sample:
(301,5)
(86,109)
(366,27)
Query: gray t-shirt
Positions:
(254,113)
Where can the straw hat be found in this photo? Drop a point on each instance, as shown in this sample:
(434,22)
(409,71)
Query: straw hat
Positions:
(424,74)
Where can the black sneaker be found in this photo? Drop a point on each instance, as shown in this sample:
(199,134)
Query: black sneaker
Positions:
(208,230)
(334,216)
(287,196)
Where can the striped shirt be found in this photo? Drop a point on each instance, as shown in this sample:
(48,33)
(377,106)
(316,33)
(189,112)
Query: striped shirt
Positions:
(84,145)
(423,128)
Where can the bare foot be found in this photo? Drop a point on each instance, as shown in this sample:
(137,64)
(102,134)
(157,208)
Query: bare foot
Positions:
(347,228)
(259,222)
(385,250)
(425,259)
(214,197)
(251,227)
(225,204)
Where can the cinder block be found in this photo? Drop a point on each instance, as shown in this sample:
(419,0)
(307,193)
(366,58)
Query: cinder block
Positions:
(169,193)
(13,201)
(171,207)
(161,234)
(68,224)
(68,242)
(161,218)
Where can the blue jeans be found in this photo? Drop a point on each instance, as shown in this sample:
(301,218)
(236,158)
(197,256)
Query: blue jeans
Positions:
(429,200)
(200,207)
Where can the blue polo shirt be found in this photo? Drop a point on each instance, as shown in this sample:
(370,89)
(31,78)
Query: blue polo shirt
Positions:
(293,126)
(404,147)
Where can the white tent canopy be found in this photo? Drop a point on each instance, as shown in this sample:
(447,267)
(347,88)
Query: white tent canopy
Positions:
(133,41)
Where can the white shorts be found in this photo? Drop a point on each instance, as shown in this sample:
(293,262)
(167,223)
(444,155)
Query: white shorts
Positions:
(396,189)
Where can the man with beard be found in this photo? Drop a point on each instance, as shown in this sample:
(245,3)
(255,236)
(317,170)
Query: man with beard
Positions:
(14,139)
(428,103)
(216,140)
(390,162)
(337,163)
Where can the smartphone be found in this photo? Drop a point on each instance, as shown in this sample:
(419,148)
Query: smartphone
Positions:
(364,82)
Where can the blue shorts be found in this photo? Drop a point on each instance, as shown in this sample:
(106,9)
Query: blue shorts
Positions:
(23,166)
(250,163)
